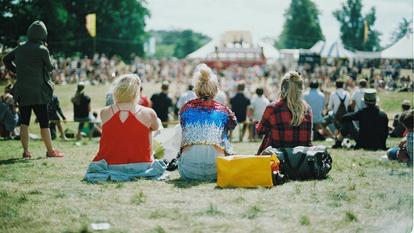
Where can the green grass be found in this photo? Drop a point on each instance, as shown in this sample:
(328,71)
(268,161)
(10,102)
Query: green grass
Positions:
(361,194)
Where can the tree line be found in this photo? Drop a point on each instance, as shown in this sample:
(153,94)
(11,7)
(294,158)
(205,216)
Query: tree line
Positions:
(121,31)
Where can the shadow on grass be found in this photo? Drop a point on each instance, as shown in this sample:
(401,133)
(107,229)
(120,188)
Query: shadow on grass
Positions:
(16,160)
(185,184)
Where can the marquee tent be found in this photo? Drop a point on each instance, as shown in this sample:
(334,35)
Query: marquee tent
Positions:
(402,49)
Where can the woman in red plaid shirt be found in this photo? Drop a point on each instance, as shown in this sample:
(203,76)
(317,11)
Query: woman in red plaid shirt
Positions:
(287,122)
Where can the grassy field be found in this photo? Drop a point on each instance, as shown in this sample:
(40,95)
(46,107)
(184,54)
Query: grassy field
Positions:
(362,193)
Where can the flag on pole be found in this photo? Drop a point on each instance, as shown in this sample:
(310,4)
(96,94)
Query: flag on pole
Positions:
(366,30)
(91,24)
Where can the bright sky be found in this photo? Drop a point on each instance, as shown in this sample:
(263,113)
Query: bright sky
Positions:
(264,18)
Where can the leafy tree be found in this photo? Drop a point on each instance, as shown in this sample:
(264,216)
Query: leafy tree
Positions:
(178,43)
(404,27)
(18,15)
(301,28)
(353,27)
(120,25)
(189,42)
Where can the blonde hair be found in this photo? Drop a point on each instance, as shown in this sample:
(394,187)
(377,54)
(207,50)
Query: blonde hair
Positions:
(126,88)
(205,82)
(291,91)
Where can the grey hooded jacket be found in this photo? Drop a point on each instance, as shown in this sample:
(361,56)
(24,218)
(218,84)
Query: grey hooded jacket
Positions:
(31,63)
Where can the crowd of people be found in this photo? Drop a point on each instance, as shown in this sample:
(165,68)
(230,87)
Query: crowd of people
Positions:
(269,101)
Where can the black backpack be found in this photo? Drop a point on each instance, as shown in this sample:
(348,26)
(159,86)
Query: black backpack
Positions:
(302,163)
(341,109)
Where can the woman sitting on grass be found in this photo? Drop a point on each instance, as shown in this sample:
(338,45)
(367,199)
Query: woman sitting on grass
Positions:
(125,147)
(287,122)
(205,124)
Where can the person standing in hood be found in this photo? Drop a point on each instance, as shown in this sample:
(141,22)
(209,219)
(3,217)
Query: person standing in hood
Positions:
(33,89)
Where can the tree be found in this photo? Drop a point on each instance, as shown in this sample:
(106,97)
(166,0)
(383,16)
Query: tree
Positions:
(177,43)
(301,28)
(404,27)
(120,25)
(18,15)
(356,29)
(189,42)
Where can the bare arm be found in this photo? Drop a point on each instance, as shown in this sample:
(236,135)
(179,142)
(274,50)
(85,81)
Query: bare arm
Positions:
(155,123)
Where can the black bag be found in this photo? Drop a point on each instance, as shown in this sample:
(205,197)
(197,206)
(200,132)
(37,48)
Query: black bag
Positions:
(301,163)
(341,109)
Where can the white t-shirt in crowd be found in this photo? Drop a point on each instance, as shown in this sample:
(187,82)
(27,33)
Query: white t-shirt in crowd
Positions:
(184,98)
(334,101)
(357,96)
(259,105)
(221,97)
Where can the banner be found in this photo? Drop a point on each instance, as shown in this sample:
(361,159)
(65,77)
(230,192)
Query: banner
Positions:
(91,24)
(366,31)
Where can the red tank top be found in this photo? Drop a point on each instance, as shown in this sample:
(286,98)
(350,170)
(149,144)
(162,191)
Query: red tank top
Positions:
(124,142)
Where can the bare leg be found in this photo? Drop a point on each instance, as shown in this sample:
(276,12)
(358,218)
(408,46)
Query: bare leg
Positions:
(47,139)
(24,137)
(242,131)
(79,134)
(60,128)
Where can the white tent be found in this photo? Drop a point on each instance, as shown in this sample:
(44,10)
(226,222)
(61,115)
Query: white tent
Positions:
(269,51)
(336,50)
(204,51)
(318,47)
(402,49)
(209,49)
(328,50)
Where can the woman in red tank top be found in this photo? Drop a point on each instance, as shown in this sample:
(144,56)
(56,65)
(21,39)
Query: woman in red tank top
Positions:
(125,146)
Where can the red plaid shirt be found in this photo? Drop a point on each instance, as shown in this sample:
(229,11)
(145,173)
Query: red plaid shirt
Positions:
(279,133)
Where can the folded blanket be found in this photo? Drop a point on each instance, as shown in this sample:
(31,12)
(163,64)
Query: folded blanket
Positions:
(102,171)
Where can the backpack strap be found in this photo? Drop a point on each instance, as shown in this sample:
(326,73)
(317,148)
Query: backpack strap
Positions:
(342,100)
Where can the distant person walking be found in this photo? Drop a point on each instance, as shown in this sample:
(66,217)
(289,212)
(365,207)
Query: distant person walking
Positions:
(55,113)
(239,104)
(33,89)
(81,109)
(161,104)
(258,106)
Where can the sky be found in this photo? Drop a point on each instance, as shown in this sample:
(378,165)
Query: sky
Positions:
(264,18)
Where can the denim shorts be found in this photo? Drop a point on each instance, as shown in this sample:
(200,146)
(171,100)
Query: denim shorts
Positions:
(198,162)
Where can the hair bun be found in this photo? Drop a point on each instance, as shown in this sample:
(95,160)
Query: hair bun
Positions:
(205,75)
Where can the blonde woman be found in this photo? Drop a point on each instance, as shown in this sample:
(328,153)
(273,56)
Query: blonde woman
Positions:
(125,146)
(287,122)
(205,124)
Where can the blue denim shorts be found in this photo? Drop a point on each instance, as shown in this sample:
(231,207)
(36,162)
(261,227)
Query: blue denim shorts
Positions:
(198,162)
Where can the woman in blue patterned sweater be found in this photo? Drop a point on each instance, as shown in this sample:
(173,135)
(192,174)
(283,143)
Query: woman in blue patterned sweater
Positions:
(205,124)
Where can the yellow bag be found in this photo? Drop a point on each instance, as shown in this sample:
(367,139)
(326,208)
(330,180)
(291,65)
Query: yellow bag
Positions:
(248,171)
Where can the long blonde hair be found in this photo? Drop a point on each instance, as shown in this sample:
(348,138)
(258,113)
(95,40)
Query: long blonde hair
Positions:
(291,91)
